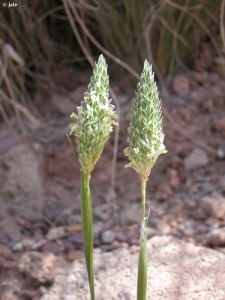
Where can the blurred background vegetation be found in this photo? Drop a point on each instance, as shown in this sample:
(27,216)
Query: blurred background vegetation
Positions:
(38,37)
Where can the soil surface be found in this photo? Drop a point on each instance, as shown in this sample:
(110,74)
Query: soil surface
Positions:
(39,182)
(172,274)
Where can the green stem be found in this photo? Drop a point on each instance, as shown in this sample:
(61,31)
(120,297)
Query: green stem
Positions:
(86,215)
(142,262)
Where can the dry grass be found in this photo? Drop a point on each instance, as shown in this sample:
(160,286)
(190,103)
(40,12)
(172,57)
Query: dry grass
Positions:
(31,46)
(166,32)
(12,87)
(36,38)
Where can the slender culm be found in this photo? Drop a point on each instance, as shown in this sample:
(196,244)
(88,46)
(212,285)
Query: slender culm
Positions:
(145,145)
(89,132)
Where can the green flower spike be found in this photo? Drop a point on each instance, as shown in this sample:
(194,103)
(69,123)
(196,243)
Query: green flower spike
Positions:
(145,132)
(145,145)
(93,123)
(89,133)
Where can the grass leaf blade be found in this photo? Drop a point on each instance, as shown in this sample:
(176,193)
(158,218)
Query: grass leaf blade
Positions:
(86,214)
(142,268)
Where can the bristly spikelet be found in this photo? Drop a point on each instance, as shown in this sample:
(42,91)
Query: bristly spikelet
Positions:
(93,123)
(145,132)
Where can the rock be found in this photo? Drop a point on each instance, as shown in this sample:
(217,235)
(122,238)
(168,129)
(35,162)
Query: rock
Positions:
(17,247)
(52,247)
(5,252)
(28,243)
(219,125)
(74,219)
(68,246)
(99,213)
(199,214)
(107,236)
(121,237)
(21,171)
(75,255)
(130,214)
(10,295)
(21,187)
(190,204)
(55,233)
(181,85)
(196,159)
(37,245)
(213,205)
(62,104)
(29,295)
(164,192)
(174,182)
(10,289)
(171,266)
(163,227)
(97,251)
(201,229)
(76,239)
(41,267)
(115,245)
(186,228)
(216,237)
(73,228)
(150,232)
(221,151)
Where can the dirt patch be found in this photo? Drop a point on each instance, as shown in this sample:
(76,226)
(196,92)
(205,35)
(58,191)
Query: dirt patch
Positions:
(39,185)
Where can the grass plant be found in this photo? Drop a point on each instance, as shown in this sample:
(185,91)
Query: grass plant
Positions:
(89,133)
(145,145)
(166,32)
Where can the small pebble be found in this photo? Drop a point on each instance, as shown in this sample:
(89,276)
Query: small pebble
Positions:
(196,159)
(107,236)
(75,255)
(27,243)
(76,239)
(74,219)
(55,233)
(97,251)
(199,214)
(216,237)
(97,212)
(17,247)
(181,85)
(38,244)
(74,228)
(68,246)
(186,228)
(213,205)
(150,232)
(5,251)
(221,151)
(52,247)
(121,237)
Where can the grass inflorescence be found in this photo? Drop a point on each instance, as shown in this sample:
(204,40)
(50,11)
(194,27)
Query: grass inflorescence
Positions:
(146,143)
(89,132)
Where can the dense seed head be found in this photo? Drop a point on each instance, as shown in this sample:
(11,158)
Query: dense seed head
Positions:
(145,132)
(94,120)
